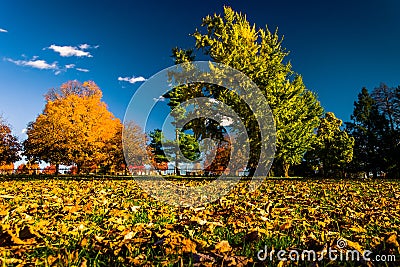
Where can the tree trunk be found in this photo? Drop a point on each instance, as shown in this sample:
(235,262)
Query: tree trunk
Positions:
(251,172)
(57,169)
(177,152)
(286,167)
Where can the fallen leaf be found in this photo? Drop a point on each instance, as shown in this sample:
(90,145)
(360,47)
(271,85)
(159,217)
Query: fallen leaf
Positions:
(223,246)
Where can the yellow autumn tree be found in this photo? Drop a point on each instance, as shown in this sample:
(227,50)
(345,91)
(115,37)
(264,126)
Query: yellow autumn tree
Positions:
(75,127)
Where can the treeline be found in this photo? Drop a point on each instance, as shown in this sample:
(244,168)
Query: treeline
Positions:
(75,128)
(375,127)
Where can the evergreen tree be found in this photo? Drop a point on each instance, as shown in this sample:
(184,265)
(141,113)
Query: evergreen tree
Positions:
(160,147)
(369,128)
(387,102)
(155,148)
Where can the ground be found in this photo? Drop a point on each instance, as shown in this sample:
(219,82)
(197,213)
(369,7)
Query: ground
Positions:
(106,222)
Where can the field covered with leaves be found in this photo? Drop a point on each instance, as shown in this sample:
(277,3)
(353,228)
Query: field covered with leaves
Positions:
(86,222)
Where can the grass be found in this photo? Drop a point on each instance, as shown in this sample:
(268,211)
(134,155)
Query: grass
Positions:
(112,222)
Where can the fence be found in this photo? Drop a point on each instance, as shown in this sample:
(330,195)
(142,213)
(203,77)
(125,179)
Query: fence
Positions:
(99,171)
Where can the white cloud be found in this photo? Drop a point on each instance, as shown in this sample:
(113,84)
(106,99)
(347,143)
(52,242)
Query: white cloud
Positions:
(57,72)
(160,98)
(3,30)
(82,70)
(226,121)
(69,51)
(34,63)
(87,46)
(132,80)
(73,66)
(84,46)
(70,66)
(24,131)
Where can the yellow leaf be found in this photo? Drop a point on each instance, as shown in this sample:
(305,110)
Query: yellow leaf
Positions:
(129,235)
(188,246)
(358,229)
(51,259)
(223,246)
(392,239)
(6,196)
(165,233)
(99,238)
(10,261)
(286,225)
(84,263)
(84,242)
(355,245)
(202,243)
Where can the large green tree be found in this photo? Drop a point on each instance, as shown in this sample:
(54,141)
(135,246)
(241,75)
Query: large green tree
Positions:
(9,145)
(231,40)
(333,147)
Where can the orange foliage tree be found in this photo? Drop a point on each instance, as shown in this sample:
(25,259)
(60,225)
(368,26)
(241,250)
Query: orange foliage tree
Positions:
(75,127)
(28,168)
(217,159)
(51,169)
(7,168)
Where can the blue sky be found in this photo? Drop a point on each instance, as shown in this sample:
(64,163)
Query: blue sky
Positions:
(338,46)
